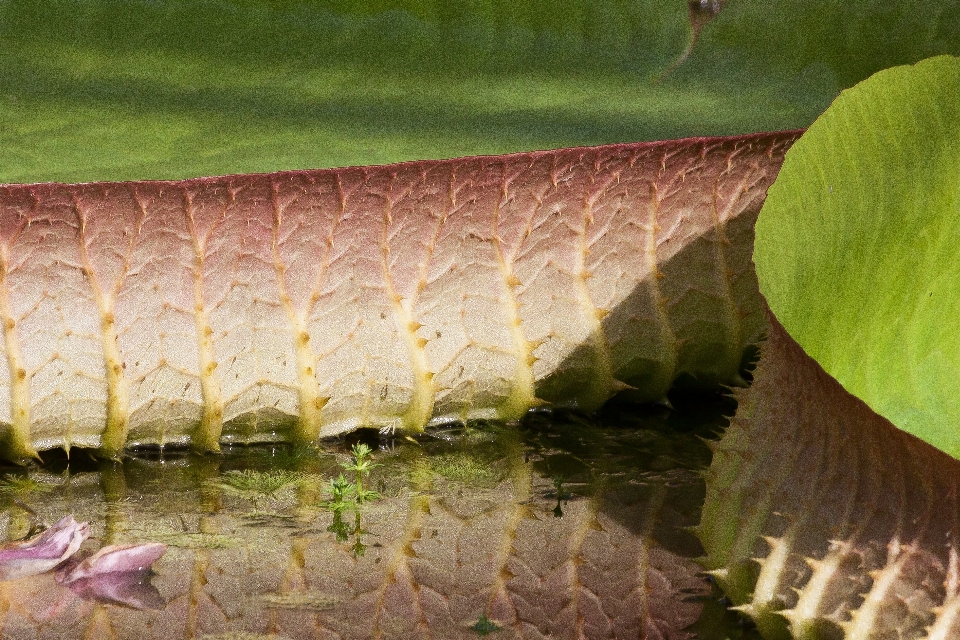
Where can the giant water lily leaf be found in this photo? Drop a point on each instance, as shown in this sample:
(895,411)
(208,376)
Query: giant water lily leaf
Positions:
(820,46)
(822,519)
(113,90)
(305,304)
(857,248)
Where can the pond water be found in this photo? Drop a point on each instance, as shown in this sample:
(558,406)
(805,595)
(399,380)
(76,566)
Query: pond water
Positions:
(562,526)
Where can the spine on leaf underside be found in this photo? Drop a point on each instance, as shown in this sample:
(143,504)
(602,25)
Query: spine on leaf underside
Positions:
(822,519)
(304,304)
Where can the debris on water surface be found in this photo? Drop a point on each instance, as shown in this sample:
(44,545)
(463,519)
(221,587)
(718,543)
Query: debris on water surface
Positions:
(484,626)
(302,600)
(44,551)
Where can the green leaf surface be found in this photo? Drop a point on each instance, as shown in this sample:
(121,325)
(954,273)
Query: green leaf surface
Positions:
(111,90)
(857,248)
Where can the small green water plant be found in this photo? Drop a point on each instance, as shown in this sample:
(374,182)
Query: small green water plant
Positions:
(16,494)
(469,469)
(260,487)
(350,496)
(484,626)
(360,466)
(22,486)
(341,494)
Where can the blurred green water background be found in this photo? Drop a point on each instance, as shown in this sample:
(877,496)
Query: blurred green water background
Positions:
(116,90)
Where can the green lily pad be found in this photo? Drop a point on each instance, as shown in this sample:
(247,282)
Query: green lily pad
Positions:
(857,246)
(117,90)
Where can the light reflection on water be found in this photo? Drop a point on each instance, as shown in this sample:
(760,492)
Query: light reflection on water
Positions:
(562,526)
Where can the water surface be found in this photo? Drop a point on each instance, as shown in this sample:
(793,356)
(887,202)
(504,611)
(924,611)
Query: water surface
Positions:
(562,526)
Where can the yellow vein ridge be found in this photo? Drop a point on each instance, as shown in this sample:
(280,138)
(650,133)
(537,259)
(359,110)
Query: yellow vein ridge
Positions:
(667,336)
(18,444)
(863,621)
(731,313)
(114,436)
(207,435)
(522,394)
(310,421)
(948,613)
(431,248)
(602,384)
(646,542)
(522,481)
(418,413)
(814,591)
(586,523)
(398,567)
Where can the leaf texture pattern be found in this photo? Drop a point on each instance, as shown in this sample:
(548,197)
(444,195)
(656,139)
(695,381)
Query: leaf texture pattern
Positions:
(304,304)
(823,520)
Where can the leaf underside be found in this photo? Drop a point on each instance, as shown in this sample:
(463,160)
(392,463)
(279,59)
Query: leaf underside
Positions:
(822,519)
(305,304)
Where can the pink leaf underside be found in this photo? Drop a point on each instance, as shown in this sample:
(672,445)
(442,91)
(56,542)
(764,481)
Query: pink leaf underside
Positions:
(44,551)
(820,509)
(309,303)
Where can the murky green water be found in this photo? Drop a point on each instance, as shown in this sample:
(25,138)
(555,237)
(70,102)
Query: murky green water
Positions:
(564,526)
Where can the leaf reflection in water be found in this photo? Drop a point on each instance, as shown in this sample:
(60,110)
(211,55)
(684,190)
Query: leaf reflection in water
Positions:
(463,528)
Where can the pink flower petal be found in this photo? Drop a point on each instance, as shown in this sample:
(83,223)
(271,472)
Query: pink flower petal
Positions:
(127,588)
(42,552)
(112,559)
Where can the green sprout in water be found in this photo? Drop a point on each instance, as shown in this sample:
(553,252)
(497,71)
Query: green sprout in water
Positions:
(358,547)
(21,486)
(339,528)
(485,626)
(361,465)
(257,486)
(345,495)
(340,491)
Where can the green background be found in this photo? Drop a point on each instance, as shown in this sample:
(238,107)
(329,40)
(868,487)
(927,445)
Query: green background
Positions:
(103,89)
